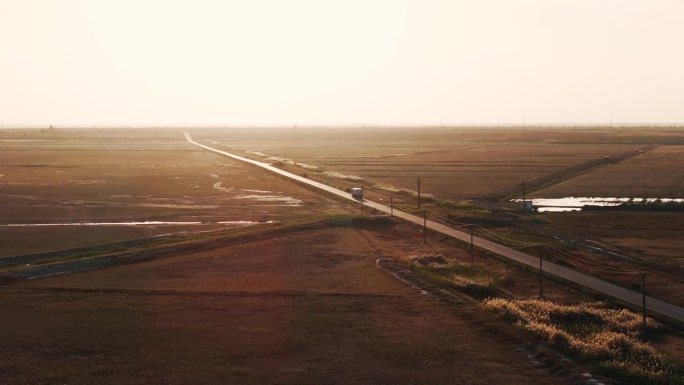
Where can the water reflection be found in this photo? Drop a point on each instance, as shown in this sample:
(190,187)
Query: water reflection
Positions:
(139,223)
(577,203)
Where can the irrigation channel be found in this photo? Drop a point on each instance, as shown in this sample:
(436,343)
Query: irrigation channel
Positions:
(636,299)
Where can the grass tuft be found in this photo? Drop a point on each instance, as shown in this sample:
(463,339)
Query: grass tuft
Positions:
(476,279)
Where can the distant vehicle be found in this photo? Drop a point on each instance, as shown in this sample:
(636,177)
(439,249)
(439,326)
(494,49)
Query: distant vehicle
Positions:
(357,193)
(528,206)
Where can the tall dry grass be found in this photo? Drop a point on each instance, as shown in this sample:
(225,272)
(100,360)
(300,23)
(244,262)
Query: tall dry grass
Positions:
(608,339)
(477,279)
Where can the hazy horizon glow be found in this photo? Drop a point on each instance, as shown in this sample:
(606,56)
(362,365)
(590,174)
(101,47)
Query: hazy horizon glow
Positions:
(307,62)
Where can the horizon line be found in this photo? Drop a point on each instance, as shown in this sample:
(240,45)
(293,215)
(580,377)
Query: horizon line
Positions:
(357,125)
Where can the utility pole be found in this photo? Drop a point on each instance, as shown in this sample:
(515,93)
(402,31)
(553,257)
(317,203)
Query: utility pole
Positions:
(425,227)
(541,272)
(361,200)
(524,193)
(472,251)
(418,193)
(643,302)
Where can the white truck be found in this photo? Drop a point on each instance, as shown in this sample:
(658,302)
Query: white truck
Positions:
(357,193)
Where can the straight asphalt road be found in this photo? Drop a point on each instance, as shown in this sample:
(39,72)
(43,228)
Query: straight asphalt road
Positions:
(634,298)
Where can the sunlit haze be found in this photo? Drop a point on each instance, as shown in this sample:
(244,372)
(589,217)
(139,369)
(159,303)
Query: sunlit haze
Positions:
(200,62)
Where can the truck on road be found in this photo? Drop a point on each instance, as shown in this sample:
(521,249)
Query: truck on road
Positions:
(357,193)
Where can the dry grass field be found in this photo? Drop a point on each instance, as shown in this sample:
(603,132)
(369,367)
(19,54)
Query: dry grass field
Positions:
(284,304)
(453,163)
(130,176)
(456,164)
(307,299)
(308,307)
(655,174)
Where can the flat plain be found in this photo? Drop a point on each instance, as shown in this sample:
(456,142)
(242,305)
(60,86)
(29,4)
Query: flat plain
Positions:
(480,161)
(240,276)
(305,307)
(121,176)
(654,174)
(473,172)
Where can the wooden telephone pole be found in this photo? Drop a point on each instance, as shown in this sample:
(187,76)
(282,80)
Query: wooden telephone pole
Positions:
(418,193)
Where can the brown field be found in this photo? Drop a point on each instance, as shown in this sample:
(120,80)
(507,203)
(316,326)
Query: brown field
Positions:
(303,308)
(654,174)
(453,163)
(460,163)
(121,176)
(648,241)
(283,304)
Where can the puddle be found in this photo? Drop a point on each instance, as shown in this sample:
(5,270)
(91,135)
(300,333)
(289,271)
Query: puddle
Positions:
(281,159)
(349,156)
(258,191)
(141,223)
(307,166)
(242,222)
(86,181)
(289,201)
(578,203)
(218,186)
(257,153)
(256,195)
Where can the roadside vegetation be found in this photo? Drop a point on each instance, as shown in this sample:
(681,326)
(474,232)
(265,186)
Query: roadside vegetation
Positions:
(476,279)
(424,197)
(609,341)
(606,339)
(464,208)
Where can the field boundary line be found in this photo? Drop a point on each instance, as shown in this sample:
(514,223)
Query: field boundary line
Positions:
(566,173)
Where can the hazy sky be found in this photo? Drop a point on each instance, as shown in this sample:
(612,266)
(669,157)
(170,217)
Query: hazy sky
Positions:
(306,62)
